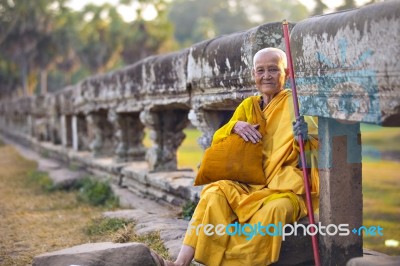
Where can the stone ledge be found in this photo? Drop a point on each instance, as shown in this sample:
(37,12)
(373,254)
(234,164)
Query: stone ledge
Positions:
(174,187)
(373,258)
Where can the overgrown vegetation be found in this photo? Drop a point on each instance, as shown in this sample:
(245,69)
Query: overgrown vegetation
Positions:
(122,231)
(41,180)
(97,193)
(90,190)
(104,226)
(188,209)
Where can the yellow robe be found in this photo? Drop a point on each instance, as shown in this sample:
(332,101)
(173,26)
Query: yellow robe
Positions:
(280,200)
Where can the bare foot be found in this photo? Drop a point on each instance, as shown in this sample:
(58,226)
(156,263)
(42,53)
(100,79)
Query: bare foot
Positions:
(159,261)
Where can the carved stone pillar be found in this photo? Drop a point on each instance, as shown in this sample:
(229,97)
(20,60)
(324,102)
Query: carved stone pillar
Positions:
(66,130)
(208,121)
(101,139)
(79,132)
(54,128)
(129,135)
(28,125)
(41,129)
(167,135)
(75,139)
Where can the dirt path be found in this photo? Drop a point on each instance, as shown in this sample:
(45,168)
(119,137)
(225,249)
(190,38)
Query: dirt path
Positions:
(33,221)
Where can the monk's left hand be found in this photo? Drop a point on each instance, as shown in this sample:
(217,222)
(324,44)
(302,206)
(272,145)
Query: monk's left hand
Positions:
(300,127)
(247,131)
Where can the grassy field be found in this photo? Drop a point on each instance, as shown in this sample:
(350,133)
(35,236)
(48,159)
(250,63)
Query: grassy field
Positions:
(381,186)
(34,220)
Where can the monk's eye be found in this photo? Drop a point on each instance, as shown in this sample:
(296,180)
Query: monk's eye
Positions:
(260,71)
(273,70)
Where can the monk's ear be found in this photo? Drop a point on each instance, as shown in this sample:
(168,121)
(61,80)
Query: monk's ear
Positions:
(253,73)
(287,73)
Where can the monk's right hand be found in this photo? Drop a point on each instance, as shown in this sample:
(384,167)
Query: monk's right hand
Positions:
(247,131)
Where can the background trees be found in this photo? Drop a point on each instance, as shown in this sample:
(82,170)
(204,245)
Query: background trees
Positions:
(45,45)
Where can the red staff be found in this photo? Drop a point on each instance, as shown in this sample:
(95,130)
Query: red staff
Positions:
(301,144)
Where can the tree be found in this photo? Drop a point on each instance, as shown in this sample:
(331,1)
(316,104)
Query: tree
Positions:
(348,4)
(142,37)
(9,77)
(98,48)
(195,21)
(66,36)
(26,38)
(23,24)
(320,8)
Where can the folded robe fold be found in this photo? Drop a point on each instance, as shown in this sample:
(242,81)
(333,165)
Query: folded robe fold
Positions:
(280,200)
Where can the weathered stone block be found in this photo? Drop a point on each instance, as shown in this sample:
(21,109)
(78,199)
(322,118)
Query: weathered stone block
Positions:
(98,254)
(347,64)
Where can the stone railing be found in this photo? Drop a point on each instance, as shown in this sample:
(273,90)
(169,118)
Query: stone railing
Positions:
(347,71)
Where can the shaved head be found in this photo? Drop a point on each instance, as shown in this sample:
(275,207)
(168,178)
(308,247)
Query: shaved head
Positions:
(277,51)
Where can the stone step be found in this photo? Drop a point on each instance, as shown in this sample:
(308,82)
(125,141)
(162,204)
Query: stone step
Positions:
(98,254)
(373,258)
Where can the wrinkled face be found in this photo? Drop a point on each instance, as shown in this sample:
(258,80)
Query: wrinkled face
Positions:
(269,73)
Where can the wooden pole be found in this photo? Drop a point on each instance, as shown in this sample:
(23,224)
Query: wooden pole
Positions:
(301,144)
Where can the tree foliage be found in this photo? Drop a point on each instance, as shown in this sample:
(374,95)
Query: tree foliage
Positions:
(45,45)
(196,20)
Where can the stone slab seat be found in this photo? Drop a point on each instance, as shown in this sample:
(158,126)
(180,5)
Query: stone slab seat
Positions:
(98,254)
(297,250)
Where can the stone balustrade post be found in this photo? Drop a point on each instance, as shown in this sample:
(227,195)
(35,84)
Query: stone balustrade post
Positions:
(166,132)
(80,132)
(197,118)
(54,129)
(208,121)
(63,125)
(129,134)
(66,130)
(75,138)
(101,134)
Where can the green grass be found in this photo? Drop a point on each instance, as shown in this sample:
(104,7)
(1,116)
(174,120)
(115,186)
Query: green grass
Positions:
(381,185)
(385,139)
(40,179)
(190,153)
(103,226)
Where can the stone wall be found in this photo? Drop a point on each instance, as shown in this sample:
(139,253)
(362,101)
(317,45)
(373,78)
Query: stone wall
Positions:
(347,72)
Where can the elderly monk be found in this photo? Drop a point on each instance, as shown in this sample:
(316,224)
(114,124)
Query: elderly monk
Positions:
(280,200)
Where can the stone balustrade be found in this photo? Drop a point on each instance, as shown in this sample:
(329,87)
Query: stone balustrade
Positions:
(347,72)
